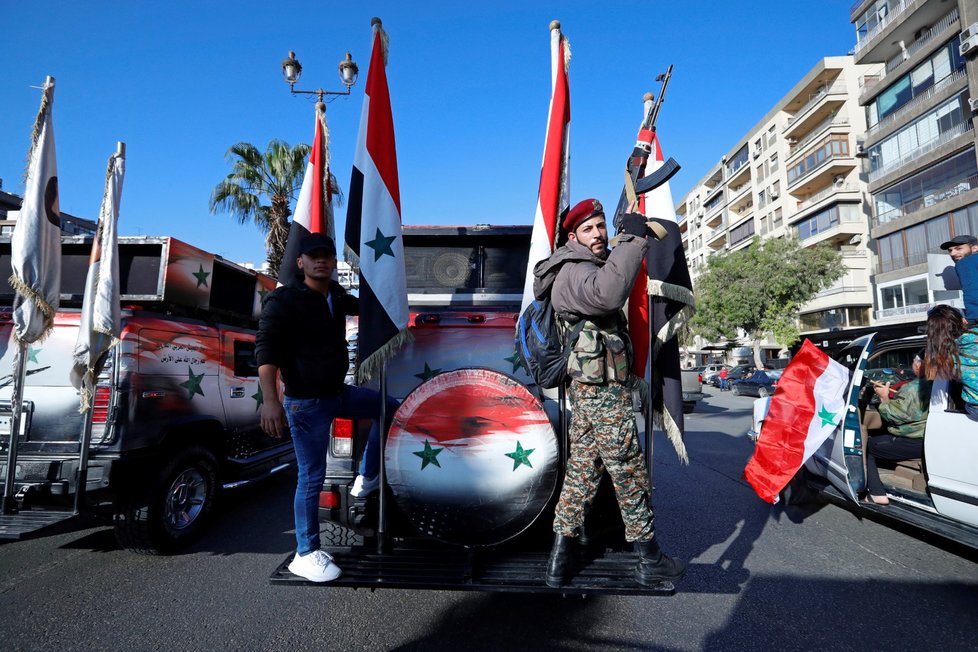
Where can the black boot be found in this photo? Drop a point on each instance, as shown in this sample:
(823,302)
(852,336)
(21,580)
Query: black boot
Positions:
(655,566)
(559,564)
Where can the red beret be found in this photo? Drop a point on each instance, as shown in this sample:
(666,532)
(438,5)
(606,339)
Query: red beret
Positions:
(582,211)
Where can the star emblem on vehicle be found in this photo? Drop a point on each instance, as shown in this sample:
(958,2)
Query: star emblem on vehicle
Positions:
(192,384)
(515,361)
(828,418)
(428,373)
(259,398)
(32,353)
(520,456)
(429,455)
(201,276)
(381,244)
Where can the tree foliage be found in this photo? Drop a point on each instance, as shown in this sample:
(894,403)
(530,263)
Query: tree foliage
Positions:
(761,288)
(261,188)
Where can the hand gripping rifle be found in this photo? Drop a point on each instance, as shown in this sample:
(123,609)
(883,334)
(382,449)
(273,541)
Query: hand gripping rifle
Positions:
(635,183)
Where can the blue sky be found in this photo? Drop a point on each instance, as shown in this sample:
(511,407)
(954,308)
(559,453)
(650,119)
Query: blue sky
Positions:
(181,81)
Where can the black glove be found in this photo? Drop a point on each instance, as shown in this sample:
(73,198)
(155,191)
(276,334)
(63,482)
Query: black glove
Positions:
(634,224)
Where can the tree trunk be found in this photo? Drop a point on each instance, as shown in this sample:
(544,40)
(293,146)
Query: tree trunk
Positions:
(758,362)
(278,235)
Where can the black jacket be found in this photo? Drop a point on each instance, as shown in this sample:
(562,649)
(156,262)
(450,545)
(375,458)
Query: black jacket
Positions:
(297,334)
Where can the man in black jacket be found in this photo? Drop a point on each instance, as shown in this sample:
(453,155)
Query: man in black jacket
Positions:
(302,334)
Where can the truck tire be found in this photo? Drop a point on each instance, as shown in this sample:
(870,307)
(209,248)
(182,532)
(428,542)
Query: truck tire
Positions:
(171,509)
(334,535)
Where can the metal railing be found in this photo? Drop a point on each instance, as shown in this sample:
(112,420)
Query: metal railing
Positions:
(932,197)
(920,150)
(916,308)
(937,29)
(825,161)
(950,80)
(832,121)
(874,33)
(817,96)
(811,200)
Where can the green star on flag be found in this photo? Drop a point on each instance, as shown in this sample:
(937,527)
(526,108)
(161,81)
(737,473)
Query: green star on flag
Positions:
(520,456)
(262,293)
(429,455)
(259,398)
(515,361)
(201,276)
(192,385)
(32,353)
(828,418)
(381,244)
(428,373)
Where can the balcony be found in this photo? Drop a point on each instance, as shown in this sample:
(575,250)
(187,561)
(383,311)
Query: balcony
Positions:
(918,310)
(934,196)
(868,43)
(835,192)
(843,293)
(740,175)
(831,122)
(823,163)
(942,29)
(836,234)
(905,23)
(824,102)
(717,239)
(919,151)
(954,79)
(715,217)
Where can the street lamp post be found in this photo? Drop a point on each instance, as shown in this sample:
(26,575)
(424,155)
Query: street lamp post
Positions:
(292,70)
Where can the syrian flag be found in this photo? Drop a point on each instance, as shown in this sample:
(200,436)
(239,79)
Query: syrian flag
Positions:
(809,403)
(554,197)
(373,222)
(664,277)
(35,247)
(314,208)
(99,328)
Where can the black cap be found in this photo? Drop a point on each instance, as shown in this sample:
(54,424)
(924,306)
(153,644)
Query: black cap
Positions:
(960,240)
(315,241)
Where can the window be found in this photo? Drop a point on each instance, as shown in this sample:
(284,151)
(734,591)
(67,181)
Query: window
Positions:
(829,148)
(776,189)
(761,199)
(759,172)
(245,363)
(742,232)
(923,131)
(773,167)
(937,183)
(778,220)
(764,223)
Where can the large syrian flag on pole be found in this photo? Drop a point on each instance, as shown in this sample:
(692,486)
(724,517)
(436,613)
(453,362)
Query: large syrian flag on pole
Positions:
(99,327)
(808,405)
(554,196)
(314,208)
(373,222)
(663,284)
(35,247)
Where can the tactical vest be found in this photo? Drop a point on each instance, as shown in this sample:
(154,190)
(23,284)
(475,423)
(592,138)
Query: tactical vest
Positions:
(602,352)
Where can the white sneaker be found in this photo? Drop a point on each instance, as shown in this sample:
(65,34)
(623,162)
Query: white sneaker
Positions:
(317,566)
(364,486)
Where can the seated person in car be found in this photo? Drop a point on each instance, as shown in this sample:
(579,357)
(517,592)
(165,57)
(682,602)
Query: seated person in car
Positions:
(905,415)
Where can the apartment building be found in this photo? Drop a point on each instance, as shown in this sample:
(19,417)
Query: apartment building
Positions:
(795,172)
(919,146)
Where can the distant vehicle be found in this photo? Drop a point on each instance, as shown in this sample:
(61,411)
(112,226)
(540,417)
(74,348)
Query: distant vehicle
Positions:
(692,380)
(938,493)
(712,370)
(760,383)
(733,373)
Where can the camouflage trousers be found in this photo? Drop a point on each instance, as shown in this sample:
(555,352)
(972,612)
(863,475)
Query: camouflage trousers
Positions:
(602,430)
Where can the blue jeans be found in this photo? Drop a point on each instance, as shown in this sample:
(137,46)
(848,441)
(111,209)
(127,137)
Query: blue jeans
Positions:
(723,384)
(309,421)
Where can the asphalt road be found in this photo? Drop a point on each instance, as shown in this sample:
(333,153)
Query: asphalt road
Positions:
(760,577)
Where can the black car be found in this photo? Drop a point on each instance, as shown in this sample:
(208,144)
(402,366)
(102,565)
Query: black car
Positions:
(759,384)
(733,373)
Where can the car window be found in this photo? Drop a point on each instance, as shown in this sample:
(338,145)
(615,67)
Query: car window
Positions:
(891,366)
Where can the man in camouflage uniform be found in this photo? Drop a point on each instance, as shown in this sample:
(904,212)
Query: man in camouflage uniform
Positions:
(590,285)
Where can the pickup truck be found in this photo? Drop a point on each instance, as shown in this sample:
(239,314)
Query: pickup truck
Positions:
(175,415)
(692,389)
(475,456)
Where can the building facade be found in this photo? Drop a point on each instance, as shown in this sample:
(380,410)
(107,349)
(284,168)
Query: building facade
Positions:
(796,172)
(919,145)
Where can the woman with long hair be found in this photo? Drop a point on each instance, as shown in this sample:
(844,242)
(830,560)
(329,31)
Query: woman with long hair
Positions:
(952,353)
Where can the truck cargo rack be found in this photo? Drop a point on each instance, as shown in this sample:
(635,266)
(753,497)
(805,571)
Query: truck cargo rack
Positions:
(438,567)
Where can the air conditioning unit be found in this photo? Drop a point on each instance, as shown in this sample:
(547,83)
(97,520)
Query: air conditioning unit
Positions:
(838,179)
(792,141)
(969,31)
(757,153)
(973,103)
(774,196)
(969,46)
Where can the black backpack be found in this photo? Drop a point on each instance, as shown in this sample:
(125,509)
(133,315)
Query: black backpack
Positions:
(542,344)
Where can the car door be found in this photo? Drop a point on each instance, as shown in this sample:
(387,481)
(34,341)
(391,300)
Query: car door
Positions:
(951,456)
(840,458)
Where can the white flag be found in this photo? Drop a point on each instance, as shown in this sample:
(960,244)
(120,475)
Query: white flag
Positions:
(35,247)
(99,327)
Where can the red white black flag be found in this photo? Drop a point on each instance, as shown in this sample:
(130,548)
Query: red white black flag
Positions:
(664,278)
(554,198)
(314,208)
(373,221)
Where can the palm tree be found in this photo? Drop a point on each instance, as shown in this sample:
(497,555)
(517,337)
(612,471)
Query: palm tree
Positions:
(276,177)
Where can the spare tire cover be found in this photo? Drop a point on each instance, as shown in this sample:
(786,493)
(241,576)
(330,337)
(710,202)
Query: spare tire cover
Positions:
(472,457)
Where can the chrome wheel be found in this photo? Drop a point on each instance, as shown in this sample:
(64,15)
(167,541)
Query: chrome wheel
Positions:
(185,499)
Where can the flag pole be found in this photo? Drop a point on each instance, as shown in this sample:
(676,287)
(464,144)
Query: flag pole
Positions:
(16,400)
(382,442)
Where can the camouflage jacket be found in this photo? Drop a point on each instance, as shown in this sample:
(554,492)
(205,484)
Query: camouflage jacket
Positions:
(906,413)
(584,287)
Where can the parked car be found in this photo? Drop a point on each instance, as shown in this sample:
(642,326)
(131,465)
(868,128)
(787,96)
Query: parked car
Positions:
(938,493)
(733,373)
(761,383)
